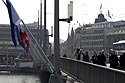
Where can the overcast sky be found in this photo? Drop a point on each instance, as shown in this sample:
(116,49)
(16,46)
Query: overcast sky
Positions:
(84,11)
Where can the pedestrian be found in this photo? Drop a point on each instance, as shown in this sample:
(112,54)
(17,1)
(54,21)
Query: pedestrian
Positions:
(64,55)
(122,61)
(81,54)
(86,57)
(113,59)
(94,58)
(77,53)
(101,59)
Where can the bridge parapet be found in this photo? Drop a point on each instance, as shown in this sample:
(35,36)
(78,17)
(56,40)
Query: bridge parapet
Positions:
(92,73)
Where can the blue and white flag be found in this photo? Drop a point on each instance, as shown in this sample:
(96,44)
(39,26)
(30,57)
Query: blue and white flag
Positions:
(14,20)
(16,28)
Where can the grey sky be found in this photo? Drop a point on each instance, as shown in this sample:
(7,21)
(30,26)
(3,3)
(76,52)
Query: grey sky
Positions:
(85,11)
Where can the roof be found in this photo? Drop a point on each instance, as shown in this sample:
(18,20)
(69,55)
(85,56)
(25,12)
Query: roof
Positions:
(119,42)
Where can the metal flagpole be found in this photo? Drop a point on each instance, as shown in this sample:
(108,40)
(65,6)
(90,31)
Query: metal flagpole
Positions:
(44,55)
(38,28)
(41,14)
(41,38)
(38,56)
(53,70)
(4,2)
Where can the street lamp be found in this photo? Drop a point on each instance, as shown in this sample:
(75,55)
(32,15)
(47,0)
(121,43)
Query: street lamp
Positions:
(44,37)
(56,36)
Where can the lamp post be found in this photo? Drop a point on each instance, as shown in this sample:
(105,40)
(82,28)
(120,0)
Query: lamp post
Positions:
(56,37)
(44,37)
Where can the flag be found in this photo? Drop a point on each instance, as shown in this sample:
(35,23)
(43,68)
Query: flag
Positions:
(101,6)
(109,15)
(16,28)
(14,18)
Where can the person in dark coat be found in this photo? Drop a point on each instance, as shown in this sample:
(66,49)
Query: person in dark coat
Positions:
(76,54)
(94,58)
(101,59)
(113,60)
(86,57)
(80,55)
(122,61)
(64,55)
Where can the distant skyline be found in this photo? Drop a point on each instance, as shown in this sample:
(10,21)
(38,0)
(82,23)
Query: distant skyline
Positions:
(84,11)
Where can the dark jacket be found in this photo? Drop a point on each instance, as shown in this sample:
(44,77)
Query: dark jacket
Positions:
(113,59)
(86,58)
(101,60)
(122,60)
(94,59)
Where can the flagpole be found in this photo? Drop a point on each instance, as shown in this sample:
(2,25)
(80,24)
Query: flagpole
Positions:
(41,28)
(44,55)
(101,8)
(38,29)
(4,2)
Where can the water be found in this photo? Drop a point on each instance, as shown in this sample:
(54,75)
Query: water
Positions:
(19,79)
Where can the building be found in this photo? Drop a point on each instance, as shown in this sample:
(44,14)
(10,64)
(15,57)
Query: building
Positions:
(7,47)
(117,33)
(96,37)
(93,37)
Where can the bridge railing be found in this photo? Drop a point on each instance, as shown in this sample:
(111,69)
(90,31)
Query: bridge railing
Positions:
(92,73)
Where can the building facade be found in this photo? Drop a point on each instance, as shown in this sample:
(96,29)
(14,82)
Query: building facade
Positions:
(117,33)
(97,37)
(7,47)
(93,37)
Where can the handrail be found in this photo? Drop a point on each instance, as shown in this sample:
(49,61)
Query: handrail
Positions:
(92,73)
(100,66)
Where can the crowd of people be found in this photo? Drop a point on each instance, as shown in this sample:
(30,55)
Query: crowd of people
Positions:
(100,58)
